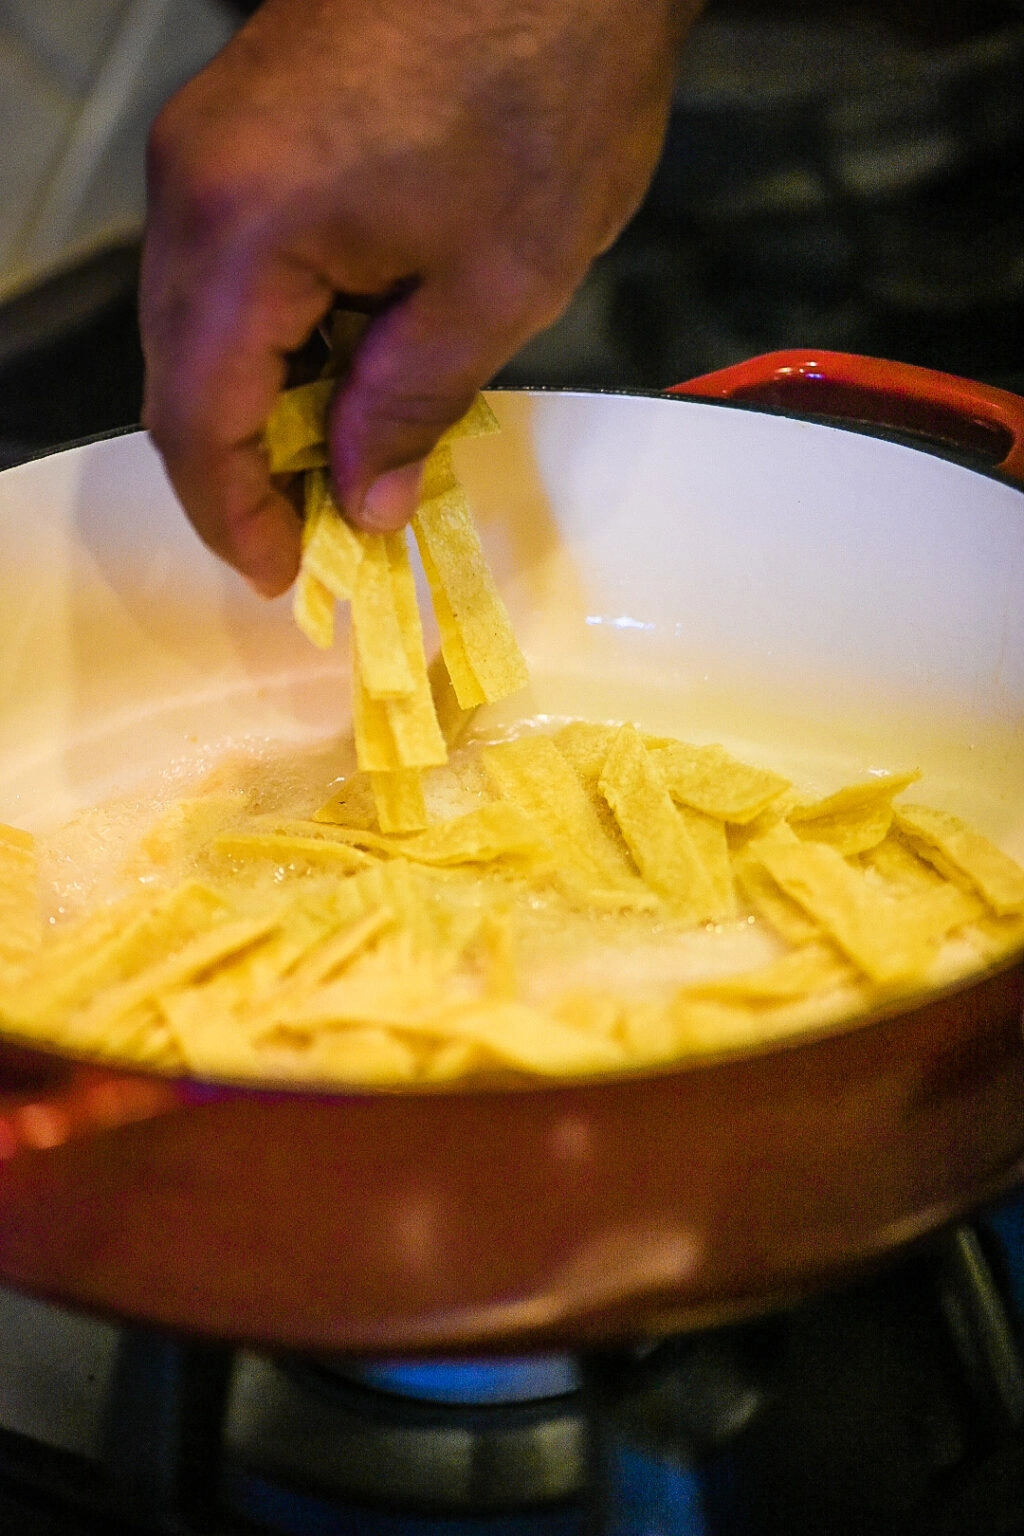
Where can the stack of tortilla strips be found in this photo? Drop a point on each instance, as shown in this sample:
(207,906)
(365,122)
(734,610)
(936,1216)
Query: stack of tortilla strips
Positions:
(395,714)
(273,943)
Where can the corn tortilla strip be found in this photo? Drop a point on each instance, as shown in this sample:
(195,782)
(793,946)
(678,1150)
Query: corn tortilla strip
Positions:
(412,720)
(855,819)
(313,610)
(903,870)
(286,848)
(656,834)
(204,952)
(452,718)
(21,927)
(332,551)
(586,747)
(768,900)
(708,834)
(102,953)
(849,832)
(469,695)
(379,642)
(351,805)
(364,1056)
(949,844)
(456,569)
(375,746)
(479,421)
(295,433)
(811,968)
(885,938)
(187,825)
(399,801)
(532,774)
(854,797)
(709,779)
(495,831)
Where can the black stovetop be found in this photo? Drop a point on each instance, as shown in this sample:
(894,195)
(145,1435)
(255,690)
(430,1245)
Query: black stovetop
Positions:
(893,1406)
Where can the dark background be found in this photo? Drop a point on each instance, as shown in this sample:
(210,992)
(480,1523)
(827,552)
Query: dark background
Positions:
(849,180)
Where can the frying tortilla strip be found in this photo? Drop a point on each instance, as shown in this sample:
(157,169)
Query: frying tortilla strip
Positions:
(586,747)
(768,900)
(313,610)
(656,834)
(21,927)
(532,774)
(479,421)
(380,643)
(332,550)
(476,632)
(399,801)
(496,831)
(107,950)
(95,1026)
(856,818)
(285,848)
(412,719)
(890,941)
(964,855)
(710,780)
(708,835)
(295,434)
(351,805)
(903,870)
(812,967)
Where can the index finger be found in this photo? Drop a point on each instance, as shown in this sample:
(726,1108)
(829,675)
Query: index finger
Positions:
(216,332)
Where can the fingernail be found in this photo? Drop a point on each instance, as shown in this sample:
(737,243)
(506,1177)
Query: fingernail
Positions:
(391,499)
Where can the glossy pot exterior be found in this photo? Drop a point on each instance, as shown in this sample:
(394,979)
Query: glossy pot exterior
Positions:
(691,564)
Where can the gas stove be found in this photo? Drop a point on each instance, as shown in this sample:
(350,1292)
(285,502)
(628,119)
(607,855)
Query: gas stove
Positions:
(892,1405)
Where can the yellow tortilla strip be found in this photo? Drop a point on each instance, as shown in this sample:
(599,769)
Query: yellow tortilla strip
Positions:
(399,800)
(813,967)
(375,745)
(854,797)
(709,779)
(412,720)
(655,833)
(765,897)
(903,870)
(479,836)
(532,774)
(313,610)
(586,747)
(855,819)
(103,952)
(466,600)
(351,805)
(284,848)
(295,434)
(708,835)
(21,928)
(469,695)
(379,640)
(479,421)
(890,941)
(951,845)
(332,550)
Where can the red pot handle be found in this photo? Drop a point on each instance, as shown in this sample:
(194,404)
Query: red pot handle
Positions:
(954,413)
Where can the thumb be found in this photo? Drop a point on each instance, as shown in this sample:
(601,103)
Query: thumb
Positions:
(415,373)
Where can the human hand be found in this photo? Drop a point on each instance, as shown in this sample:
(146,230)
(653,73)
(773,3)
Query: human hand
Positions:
(463,162)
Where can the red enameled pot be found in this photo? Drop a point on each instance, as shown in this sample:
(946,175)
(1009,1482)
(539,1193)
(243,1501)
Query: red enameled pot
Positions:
(824,596)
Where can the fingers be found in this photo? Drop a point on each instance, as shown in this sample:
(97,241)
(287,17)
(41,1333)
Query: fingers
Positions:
(415,374)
